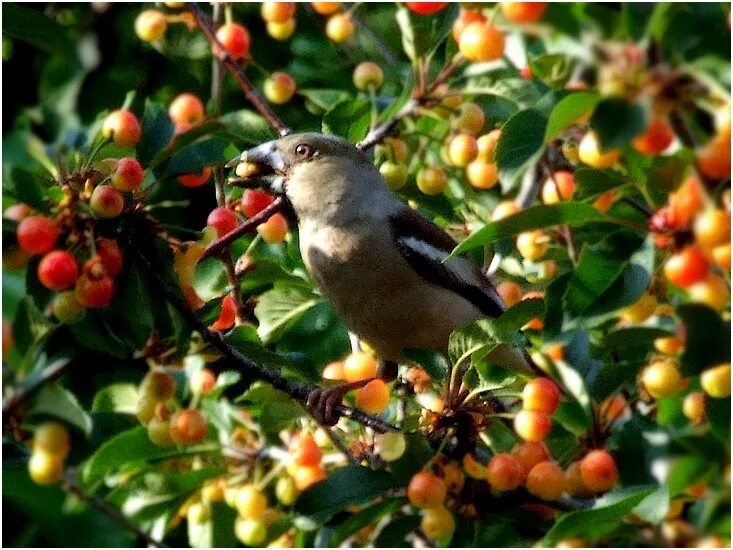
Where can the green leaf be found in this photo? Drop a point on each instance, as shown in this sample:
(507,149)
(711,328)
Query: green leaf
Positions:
(157,132)
(707,340)
(393,534)
(417,453)
(654,507)
(617,122)
(349,119)
(32,26)
(536,217)
(344,487)
(325,99)
(599,265)
(567,112)
(422,35)
(26,187)
(553,69)
(601,520)
(501,85)
(279,307)
(194,157)
(368,516)
(127,449)
(592,183)
(55,400)
(248,126)
(520,145)
(119,398)
(30,325)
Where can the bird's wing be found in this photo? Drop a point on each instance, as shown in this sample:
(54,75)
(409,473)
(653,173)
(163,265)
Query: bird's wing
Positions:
(425,247)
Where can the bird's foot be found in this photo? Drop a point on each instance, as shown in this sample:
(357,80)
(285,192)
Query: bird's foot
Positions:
(321,402)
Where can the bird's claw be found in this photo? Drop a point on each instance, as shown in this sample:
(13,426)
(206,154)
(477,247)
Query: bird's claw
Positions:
(322,402)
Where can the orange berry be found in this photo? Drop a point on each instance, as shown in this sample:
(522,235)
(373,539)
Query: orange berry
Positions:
(713,159)
(277,12)
(334,371)
(473,467)
(186,108)
(462,150)
(195,180)
(305,476)
(274,230)
(45,468)
(574,484)
(546,481)
(661,378)
(530,453)
(605,201)
(374,397)
(340,28)
(598,471)
(532,425)
(711,291)
(360,366)
(150,25)
(432,180)
(532,245)
(523,12)
(202,381)
(589,151)
(481,41)
(511,293)
(721,256)
(656,138)
(712,228)
(465,18)
(504,472)
(279,88)
(122,127)
(52,438)
(482,175)
(470,117)
(426,490)
(686,267)
(438,523)
(281,31)
(158,385)
(503,210)
(686,202)
(693,407)
(669,345)
(541,394)
(487,145)
(326,8)
(305,451)
(559,187)
(227,315)
(187,427)
(716,381)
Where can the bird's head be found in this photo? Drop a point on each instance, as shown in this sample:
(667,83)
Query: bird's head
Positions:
(315,173)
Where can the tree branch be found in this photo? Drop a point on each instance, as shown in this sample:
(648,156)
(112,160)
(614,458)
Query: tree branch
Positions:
(33,383)
(71,485)
(254,97)
(217,245)
(257,371)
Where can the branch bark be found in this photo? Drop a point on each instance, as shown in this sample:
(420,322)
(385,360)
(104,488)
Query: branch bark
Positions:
(217,245)
(297,391)
(252,95)
(49,374)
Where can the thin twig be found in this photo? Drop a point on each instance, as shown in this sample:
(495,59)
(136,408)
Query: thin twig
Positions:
(250,92)
(71,485)
(217,245)
(34,383)
(299,392)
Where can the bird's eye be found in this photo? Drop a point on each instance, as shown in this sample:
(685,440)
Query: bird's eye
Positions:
(304,151)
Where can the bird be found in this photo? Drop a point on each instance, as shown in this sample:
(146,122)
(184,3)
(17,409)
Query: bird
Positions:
(386,270)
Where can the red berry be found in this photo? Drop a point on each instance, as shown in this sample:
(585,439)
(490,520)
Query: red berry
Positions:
(37,234)
(598,471)
(94,294)
(227,316)
(58,270)
(195,180)
(122,127)
(254,202)
(657,137)
(687,267)
(128,174)
(223,220)
(106,202)
(541,394)
(235,39)
(425,8)
(110,254)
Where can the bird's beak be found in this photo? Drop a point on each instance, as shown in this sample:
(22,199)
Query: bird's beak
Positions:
(263,166)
